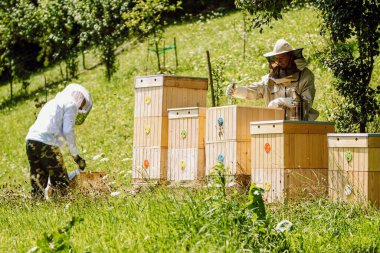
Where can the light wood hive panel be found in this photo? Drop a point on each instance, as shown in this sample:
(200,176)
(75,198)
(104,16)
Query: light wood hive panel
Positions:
(234,155)
(187,127)
(186,158)
(154,95)
(354,167)
(150,132)
(186,164)
(291,157)
(280,184)
(149,163)
(228,136)
(232,122)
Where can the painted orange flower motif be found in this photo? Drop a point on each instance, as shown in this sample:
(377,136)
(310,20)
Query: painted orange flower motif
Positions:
(267,147)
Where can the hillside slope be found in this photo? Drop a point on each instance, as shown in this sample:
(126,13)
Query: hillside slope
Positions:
(109,128)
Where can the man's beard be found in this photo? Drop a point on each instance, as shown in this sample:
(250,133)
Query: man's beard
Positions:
(278,72)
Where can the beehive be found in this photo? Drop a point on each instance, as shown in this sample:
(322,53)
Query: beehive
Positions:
(154,95)
(290,158)
(186,151)
(228,137)
(354,167)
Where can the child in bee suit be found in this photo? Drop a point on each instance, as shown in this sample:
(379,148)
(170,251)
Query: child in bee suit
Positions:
(54,126)
(288,75)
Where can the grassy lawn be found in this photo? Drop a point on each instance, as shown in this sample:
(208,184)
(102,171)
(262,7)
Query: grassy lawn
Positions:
(162,219)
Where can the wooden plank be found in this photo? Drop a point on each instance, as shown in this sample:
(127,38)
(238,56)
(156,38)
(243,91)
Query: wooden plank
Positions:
(243,158)
(236,120)
(292,151)
(183,164)
(183,97)
(374,159)
(198,83)
(274,158)
(287,126)
(171,81)
(148,102)
(226,150)
(261,127)
(154,168)
(374,187)
(306,182)
(374,141)
(354,140)
(291,183)
(335,140)
(153,99)
(150,132)
(188,112)
(272,181)
(364,186)
(301,151)
(337,180)
(148,81)
(309,127)
(289,148)
(317,146)
(202,130)
(186,131)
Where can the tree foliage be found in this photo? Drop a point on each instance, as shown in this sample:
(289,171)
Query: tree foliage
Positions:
(18,30)
(353,31)
(59,30)
(147,17)
(104,29)
(59,36)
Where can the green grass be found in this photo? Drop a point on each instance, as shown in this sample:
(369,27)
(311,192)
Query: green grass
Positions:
(161,219)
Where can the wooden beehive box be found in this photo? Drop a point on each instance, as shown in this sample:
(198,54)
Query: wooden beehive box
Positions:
(290,158)
(186,158)
(228,140)
(154,95)
(354,167)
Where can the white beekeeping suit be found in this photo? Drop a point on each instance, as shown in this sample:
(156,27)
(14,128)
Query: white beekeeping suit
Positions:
(55,124)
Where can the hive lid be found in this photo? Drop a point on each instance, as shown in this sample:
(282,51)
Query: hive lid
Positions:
(291,126)
(359,140)
(187,112)
(199,83)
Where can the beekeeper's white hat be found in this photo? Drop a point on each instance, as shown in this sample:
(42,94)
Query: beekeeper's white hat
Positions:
(281,47)
(79,93)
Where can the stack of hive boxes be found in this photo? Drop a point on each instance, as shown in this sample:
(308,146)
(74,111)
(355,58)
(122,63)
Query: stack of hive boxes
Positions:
(154,95)
(228,140)
(290,158)
(354,167)
(186,145)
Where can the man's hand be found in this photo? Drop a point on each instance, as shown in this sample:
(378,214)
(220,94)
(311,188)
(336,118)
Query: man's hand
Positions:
(230,90)
(280,102)
(80,161)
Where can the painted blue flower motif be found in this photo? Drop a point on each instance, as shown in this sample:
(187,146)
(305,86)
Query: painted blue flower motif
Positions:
(220,121)
(220,158)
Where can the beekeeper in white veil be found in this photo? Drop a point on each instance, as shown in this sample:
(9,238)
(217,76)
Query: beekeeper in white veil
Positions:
(287,74)
(54,126)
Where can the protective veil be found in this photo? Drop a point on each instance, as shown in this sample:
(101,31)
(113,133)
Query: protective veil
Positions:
(272,87)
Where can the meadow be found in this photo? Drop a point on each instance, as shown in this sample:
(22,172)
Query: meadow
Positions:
(161,219)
